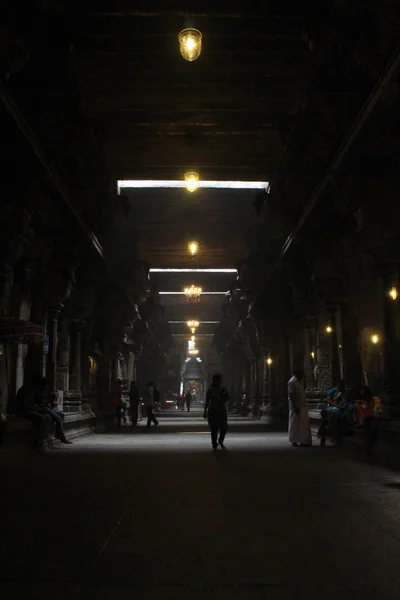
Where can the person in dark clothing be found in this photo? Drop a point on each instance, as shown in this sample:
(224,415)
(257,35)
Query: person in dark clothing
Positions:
(48,402)
(188,400)
(149,401)
(27,406)
(215,411)
(134,402)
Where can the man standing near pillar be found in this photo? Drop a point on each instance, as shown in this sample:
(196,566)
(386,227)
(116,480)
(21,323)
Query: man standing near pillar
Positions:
(299,425)
(215,410)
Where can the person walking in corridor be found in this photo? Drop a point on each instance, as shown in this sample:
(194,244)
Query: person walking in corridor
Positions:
(215,411)
(149,401)
(134,403)
(188,400)
(299,424)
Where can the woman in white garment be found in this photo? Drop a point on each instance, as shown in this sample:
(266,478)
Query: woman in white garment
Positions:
(299,425)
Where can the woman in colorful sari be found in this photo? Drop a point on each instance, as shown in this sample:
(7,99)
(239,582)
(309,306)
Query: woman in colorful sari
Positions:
(299,424)
(339,411)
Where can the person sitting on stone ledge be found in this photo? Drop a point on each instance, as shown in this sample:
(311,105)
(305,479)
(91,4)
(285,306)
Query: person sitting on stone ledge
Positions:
(48,401)
(27,407)
(339,412)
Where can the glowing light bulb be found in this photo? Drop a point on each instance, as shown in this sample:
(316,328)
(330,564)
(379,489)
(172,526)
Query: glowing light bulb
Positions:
(191,181)
(393,293)
(193,247)
(328,329)
(375,339)
(312,354)
(269,361)
(190,44)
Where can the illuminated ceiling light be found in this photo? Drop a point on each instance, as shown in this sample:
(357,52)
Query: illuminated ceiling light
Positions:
(191,181)
(202,293)
(190,43)
(312,354)
(193,248)
(328,329)
(269,361)
(193,352)
(375,338)
(192,323)
(193,270)
(193,338)
(182,322)
(393,293)
(193,293)
(177,183)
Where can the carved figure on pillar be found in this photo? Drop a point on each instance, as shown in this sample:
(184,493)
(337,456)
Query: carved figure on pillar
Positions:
(52,331)
(76,375)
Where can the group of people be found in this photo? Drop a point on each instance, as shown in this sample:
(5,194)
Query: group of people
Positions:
(37,402)
(215,408)
(343,410)
(151,398)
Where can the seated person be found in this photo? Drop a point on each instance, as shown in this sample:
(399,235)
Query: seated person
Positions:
(339,411)
(48,403)
(26,406)
(361,398)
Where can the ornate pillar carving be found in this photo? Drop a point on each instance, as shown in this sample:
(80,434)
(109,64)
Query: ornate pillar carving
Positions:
(52,331)
(324,375)
(334,346)
(352,365)
(310,326)
(76,375)
(63,355)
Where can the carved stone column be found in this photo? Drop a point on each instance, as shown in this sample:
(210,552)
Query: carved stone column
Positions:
(76,375)
(63,355)
(391,323)
(352,365)
(309,352)
(324,375)
(52,331)
(334,347)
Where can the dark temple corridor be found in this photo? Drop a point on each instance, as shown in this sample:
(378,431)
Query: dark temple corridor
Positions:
(199,230)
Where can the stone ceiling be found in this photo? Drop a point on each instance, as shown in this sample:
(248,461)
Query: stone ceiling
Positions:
(220,116)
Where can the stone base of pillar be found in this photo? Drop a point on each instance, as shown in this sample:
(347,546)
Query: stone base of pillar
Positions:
(72,403)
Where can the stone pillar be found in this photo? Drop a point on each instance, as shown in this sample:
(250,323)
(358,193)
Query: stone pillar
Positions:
(52,330)
(352,365)
(35,360)
(63,355)
(130,372)
(76,375)
(309,352)
(324,373)
(105,377)
(391,324)
(334,347)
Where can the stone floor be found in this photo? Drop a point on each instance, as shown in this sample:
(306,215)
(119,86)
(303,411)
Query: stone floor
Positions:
(156,515)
